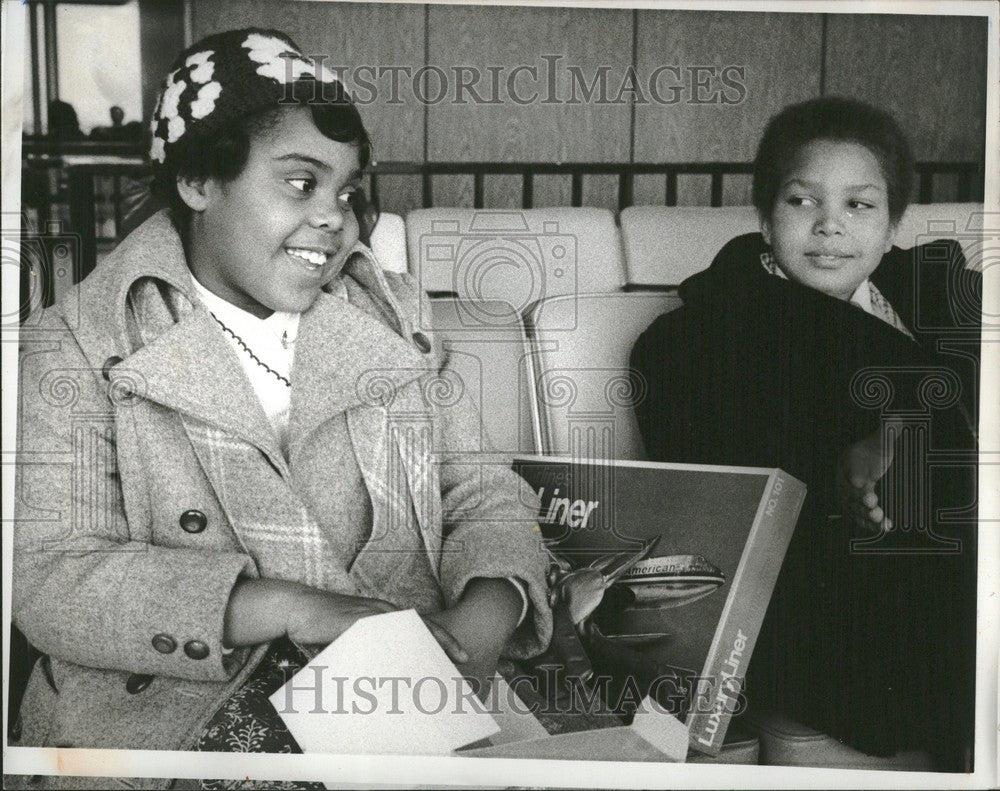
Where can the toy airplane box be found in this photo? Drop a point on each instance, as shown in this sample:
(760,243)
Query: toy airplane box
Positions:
(684,619)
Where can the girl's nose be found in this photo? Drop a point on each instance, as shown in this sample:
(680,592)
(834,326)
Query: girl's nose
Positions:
(329,216)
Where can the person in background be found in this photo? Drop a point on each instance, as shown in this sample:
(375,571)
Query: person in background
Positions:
(763,365)
(63,122)
(119,131)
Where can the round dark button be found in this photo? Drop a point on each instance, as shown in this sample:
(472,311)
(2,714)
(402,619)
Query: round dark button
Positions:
(193,521)
(164,643)
(196,649)
(110,363)
(137,682)
(422,341)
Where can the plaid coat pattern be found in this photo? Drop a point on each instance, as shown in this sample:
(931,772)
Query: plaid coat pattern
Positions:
(134,413)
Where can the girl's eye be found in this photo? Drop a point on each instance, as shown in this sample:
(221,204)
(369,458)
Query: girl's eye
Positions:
(859,204)
(801,200)
(302,184)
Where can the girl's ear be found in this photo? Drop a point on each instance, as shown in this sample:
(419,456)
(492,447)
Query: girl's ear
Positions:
(195,192)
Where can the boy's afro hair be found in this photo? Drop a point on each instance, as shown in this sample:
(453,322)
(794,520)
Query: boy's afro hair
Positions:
(838,119)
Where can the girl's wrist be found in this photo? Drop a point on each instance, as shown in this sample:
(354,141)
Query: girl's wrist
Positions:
(258,611)
(495,601)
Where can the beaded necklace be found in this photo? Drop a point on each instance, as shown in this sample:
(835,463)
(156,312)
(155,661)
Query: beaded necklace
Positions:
(253,356)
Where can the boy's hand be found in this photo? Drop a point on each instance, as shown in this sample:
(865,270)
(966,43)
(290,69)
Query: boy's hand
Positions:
(860,468)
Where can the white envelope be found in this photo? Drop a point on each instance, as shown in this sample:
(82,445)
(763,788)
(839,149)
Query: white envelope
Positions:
(384,686)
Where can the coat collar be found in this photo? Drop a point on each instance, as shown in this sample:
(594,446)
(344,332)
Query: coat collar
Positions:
(353,349)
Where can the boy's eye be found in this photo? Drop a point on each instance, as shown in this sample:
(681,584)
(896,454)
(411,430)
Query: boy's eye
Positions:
(801,200)
(860,204)
(347,196)
(303,183)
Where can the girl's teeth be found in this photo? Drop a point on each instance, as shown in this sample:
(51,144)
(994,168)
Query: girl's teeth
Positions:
(309,256)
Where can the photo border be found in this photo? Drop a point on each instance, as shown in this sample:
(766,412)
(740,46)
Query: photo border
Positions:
(373,770)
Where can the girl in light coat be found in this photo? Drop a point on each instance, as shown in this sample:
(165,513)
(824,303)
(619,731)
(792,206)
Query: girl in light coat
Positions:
(237,437)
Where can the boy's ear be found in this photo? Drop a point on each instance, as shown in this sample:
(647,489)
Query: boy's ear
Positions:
(765,229)
(195,192)
(890,236)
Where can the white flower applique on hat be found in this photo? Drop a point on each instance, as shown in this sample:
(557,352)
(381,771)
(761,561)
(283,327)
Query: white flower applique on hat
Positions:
(200,69)
(281,62)
(209,91)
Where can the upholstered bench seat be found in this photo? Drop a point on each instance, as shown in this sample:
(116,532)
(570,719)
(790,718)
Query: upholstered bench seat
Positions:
(784,742)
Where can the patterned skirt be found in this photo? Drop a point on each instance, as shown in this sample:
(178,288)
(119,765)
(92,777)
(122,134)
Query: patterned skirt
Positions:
(248,723)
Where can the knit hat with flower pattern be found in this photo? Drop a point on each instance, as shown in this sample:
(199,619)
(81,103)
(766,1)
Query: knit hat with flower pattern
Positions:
(231,75)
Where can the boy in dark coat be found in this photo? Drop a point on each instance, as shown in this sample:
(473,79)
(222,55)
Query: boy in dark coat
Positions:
(818,347)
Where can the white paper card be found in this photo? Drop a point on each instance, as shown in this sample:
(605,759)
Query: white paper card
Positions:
(385,686)
(516,721)
(663,730)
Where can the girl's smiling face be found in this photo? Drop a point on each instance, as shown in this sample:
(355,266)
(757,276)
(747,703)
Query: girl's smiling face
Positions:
(829,226)
(271,238)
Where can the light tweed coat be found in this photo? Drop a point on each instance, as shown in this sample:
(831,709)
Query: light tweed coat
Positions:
(111,453)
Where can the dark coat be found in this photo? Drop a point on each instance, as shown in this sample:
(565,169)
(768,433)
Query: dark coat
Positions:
(761,371)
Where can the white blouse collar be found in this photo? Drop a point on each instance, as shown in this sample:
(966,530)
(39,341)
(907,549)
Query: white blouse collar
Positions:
(280,323)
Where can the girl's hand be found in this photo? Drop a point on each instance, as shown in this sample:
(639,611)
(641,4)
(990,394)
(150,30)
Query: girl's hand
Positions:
(320,617)
(862,466)
(453,648)
(261,610)
(483,621)
(480,662)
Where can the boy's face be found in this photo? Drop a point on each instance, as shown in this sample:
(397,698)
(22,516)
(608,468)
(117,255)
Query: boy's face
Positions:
(830,224)
(270,239)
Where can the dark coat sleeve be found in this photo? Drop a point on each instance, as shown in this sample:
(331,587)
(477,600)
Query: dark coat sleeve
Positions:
(676,416)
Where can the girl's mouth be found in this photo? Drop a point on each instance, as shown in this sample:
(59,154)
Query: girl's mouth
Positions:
(312,260)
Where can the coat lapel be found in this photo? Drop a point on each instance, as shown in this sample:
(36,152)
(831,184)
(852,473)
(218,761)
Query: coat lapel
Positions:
(345,358)
(191,368)
(348,359)
(394,455)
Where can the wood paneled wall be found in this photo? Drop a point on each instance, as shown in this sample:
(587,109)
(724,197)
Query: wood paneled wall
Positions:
(930,71)
(780,55)
(554,132)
